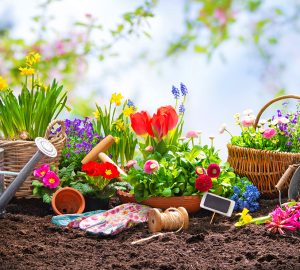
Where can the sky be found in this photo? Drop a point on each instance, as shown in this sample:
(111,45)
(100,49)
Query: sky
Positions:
(217,89)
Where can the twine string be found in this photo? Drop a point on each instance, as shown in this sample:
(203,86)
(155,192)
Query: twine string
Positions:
(172,219)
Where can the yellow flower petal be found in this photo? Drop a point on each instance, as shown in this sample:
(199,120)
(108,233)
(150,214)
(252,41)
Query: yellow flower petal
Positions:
(96,114)
(116,98)
(128,111)
(26,71)
(3,84)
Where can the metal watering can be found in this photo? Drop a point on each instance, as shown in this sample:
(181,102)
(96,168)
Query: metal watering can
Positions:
(45,148)
(294,186)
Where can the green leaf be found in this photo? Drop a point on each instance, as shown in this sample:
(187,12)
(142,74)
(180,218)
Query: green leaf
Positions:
(200,49)
(167,192)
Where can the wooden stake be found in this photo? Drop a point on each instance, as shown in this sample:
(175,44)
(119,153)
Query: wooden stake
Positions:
(212,218)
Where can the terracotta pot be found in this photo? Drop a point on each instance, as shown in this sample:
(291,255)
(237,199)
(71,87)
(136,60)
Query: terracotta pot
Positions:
(190,203)
(68,201)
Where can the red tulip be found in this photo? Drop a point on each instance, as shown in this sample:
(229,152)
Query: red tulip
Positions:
(159,125)
(171,116)
(140,123)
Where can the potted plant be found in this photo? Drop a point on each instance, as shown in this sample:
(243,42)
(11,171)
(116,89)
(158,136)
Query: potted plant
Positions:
(173,170)
(27,115)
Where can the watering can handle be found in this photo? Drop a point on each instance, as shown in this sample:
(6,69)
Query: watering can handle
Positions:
(291,169)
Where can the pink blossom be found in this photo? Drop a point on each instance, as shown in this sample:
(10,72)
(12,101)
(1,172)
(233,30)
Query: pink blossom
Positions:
(131,163)
(151,166)
(41,171)
(149,148)
(269,133)
(51,180)
(220,15)
(248,121)
(191,134)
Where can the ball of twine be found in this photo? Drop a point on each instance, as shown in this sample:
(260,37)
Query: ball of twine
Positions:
(173,219)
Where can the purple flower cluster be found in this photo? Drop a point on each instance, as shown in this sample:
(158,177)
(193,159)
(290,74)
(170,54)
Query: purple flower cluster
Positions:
(289,131)
(81,138)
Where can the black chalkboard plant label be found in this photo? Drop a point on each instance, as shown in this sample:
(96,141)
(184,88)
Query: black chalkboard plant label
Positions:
(217,204)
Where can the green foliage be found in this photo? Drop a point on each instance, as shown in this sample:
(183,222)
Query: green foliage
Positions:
(176,174)
(114,120)
(31,111)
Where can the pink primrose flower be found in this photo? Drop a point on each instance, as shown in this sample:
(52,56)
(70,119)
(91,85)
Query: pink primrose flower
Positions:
(269,133)
(51,180)
(41,171)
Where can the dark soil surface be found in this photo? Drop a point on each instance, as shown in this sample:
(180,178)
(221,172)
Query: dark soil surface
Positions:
(28,240)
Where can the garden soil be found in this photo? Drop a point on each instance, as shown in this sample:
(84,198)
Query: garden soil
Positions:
(28,240)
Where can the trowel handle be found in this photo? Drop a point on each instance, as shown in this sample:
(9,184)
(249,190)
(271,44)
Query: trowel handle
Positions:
(105,158)
(100,147)
(291,169)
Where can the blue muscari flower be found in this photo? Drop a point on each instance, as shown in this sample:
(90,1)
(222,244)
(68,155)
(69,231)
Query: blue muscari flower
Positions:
(253,206)
(246,205)
(183,89)
(288,143)
(236,190)
(181,108)
(175,92)
(130,103)
(240,203)
(234,197)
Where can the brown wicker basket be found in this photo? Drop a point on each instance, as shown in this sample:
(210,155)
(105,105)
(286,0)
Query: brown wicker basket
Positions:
(264,168)
(17,153)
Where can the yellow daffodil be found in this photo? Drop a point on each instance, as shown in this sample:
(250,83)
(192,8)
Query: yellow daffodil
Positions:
(116,98)
(119,125)
(128,111)
(3,84)
(32,58)
(26,71)
(96,114)
(117,140)
(245,216)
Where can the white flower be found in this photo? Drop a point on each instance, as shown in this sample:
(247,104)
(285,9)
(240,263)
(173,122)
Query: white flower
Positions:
(222,128)
(262,121)
(274,122)
(283,120)
(248,112)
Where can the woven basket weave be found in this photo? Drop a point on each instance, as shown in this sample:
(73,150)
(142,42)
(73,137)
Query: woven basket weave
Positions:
(264,168)
(18,153)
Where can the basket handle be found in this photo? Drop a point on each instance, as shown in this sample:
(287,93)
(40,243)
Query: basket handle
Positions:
(271,102)
(53,123)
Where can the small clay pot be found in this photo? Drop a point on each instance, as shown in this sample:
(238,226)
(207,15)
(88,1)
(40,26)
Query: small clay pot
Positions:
(68,201)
